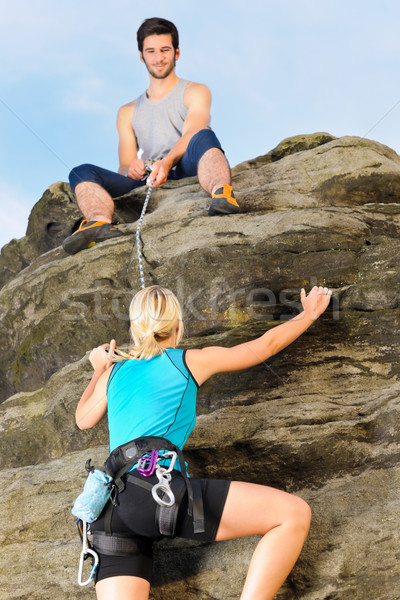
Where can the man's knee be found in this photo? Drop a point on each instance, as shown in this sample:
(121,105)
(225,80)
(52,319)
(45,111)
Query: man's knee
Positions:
(83,173)
(204,140)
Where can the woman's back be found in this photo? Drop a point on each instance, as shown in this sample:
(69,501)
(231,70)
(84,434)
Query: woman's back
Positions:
(151,397)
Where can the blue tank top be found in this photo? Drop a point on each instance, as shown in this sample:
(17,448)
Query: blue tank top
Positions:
(152,397)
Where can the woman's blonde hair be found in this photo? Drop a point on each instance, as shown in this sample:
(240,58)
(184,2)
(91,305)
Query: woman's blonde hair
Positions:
(155,314)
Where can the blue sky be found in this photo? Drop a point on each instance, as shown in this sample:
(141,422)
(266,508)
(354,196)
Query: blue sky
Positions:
(275,69)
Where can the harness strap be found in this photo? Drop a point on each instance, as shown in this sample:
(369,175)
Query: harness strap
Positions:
(143,484)
(198,508)
(124,457)
(108,517)
(119,544)
(167,516)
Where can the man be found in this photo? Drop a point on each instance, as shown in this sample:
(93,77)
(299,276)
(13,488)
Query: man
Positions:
(168,125)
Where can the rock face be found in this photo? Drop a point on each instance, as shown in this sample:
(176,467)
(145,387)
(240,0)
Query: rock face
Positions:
(321,419)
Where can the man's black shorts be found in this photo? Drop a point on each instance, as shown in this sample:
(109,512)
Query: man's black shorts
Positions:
(135,516)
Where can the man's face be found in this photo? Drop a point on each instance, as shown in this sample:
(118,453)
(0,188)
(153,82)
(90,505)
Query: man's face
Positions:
(159,55)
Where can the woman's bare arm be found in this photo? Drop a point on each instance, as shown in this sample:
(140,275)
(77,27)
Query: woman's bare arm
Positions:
(93,404)
(216,359)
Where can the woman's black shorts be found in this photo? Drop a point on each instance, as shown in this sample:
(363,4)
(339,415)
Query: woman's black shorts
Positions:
(135,517)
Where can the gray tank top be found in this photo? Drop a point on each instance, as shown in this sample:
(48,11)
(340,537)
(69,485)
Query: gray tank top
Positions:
(158,125)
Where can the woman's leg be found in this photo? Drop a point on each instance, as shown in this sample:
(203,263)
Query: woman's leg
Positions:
(123,587)
(282,519)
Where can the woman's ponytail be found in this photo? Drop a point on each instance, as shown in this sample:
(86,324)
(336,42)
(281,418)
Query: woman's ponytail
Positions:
(155,314)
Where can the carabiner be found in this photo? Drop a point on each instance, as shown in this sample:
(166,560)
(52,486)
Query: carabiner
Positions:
(173,456)
(147,465)
(84,555)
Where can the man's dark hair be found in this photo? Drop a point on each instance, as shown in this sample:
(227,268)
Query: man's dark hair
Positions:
(157,26)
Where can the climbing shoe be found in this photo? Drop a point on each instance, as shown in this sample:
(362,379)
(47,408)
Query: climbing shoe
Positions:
(89,234)
(223,202)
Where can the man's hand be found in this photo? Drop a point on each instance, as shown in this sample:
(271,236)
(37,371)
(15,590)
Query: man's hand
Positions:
(316,302)
(159,172)
(136,170)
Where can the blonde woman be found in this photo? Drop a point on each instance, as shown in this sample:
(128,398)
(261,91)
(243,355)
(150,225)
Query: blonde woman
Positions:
(151,391)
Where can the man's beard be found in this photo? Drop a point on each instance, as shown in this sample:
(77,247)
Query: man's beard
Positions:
(160,75)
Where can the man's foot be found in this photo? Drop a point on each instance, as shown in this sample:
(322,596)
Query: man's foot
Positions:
(223,202)
(89,234)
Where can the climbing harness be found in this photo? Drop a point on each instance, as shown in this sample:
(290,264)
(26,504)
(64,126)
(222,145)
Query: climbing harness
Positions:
(87,552)
(124,457)
(147,454)
(139,226)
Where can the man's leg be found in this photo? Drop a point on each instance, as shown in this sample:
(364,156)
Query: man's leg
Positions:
(204,157)
(94,202)
(213,171)
(95,189)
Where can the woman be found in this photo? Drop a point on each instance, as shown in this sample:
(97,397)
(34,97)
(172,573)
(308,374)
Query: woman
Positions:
(151,391)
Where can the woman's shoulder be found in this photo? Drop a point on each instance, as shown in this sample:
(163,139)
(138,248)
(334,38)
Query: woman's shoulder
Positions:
(174,354)
(178,357)
(114,369)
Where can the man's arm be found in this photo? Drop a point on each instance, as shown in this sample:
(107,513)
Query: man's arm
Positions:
(197,99)
(129,164)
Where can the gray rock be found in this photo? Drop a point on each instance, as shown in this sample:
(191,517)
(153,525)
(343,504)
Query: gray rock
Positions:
(320,419)
(49,223)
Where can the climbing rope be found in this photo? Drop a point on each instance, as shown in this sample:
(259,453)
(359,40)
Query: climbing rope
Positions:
(139,226)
